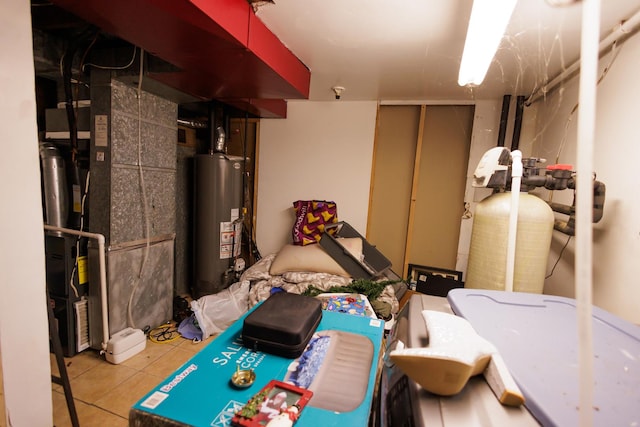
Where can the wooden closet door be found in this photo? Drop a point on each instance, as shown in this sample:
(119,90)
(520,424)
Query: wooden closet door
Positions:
(392,175)
(439,205)
(419,175)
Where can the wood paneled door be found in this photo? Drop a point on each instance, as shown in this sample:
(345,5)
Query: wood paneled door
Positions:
(419,174)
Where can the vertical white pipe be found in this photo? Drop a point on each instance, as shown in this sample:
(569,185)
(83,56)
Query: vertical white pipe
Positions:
(103,292)
(516,174)
(584,204)
(103,275)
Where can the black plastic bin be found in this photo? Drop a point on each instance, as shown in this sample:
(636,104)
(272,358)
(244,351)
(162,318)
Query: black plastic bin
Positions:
(373,263)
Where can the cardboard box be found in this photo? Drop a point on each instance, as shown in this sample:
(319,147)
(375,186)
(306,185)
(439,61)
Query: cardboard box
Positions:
(200,392)
(371,265)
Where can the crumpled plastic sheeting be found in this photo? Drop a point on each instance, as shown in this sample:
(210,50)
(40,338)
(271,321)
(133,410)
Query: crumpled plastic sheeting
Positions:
(216,312)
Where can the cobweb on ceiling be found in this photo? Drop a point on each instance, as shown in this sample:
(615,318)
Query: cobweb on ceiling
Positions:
(536,68)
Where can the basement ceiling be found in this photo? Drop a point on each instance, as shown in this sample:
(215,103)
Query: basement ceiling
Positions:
(219,49)
(376,49)
(411,49)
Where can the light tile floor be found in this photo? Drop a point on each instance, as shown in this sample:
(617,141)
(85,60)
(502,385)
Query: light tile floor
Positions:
(104,392)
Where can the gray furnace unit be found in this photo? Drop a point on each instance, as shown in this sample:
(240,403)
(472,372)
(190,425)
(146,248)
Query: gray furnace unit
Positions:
(218,220)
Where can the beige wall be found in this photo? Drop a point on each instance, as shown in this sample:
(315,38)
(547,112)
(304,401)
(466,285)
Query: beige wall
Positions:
(616,239)
(285,165)
(24,342)
(616,275)
(322,150)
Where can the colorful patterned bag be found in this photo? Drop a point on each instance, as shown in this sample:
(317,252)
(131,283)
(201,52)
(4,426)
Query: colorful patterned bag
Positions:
(311,217)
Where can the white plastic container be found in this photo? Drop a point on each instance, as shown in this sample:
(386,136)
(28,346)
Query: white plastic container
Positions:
(486,267)
(125,344)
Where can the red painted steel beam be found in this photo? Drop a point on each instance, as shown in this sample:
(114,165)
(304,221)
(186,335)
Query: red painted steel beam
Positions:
(268,48)
(222,49)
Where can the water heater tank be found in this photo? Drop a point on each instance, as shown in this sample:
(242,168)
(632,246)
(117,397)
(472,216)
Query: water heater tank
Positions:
(486,267)
(217,226)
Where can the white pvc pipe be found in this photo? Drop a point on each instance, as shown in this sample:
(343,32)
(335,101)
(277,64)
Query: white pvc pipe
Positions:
(584,204)
(103,275)
(516,174)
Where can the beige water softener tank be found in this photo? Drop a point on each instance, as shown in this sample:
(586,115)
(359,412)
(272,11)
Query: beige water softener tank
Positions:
(487,264)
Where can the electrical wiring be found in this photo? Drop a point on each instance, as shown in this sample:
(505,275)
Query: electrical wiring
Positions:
(113,67)
(144,195)
(82,210)
(72,113)
(614,54)
(164,334)
(81,66)
(559,257)
(140,169)
(252,248)
(66,62)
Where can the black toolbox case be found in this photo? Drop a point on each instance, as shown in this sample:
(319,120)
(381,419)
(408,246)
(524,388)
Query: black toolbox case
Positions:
(282,325)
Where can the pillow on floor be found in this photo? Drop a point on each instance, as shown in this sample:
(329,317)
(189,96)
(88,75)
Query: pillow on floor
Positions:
(313,258)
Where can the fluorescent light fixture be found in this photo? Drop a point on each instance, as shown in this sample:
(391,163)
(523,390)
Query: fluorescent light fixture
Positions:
(489,19)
